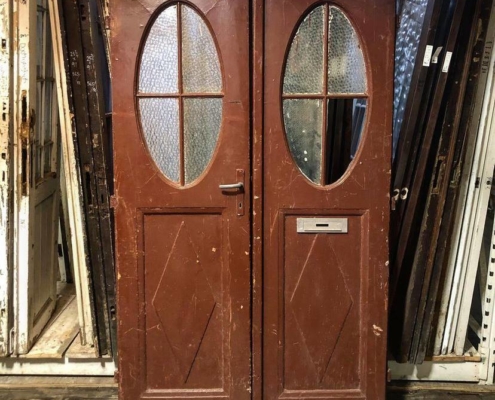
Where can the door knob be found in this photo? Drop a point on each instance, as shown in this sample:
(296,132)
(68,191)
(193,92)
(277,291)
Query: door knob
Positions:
(238,185)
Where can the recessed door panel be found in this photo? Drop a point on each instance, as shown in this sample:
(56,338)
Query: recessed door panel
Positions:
(322,303)
(183,280)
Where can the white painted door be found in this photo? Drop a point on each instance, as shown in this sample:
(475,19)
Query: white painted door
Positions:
(5,132)
(37,177)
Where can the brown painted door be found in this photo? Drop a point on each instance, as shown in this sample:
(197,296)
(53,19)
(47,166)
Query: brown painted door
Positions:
(181,107)
(302,313)
(328,96)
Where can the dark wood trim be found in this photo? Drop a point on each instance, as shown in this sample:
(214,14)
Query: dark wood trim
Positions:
(325,96)
(178,95)
(182,177)
(99,135)
(82,138)
(257,174)
(324,128)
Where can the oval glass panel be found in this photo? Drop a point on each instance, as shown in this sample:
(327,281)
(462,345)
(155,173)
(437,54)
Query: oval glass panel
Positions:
(324,101)
(180,93)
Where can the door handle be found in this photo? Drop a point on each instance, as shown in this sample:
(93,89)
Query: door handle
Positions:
(238,185)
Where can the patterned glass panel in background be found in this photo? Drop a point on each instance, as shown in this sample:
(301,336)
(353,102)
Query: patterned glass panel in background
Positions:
(159,62)
(406,50)
(304,68)
(303,125)
(202,119)
(160,123)
(200,64)
(346,70)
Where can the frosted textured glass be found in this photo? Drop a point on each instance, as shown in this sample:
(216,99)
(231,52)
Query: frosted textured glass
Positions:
(303,126)
(202,120)
(160,123)
(407,40)
(200,64)
(304,68)
(159,67)
(346,71)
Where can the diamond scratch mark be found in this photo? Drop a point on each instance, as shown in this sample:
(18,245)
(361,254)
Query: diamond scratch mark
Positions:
(321,303)
(184,301)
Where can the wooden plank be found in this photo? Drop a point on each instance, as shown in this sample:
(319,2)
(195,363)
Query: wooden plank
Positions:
(94,71)
(88,177)
(60,332)
(75,225)
(79,351)
(435,371)
(438,391)
(6,100)
(56,367)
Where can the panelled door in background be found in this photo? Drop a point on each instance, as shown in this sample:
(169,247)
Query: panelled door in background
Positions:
(36,175)
(206,107)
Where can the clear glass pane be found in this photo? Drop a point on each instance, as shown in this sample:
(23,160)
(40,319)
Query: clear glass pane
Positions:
(346,70)
(303,126)
(346,118)
(160,123)
(200,64)
(202,120)
(304,70)
(158,71)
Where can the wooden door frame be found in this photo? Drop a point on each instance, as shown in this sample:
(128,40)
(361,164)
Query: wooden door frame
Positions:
(6,102)
(24,98)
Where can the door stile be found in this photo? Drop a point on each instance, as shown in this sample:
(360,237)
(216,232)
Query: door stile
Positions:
(5,180)
(24,89)
(257,171)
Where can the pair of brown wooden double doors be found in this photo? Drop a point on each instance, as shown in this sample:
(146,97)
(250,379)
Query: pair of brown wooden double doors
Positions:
(252,161)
